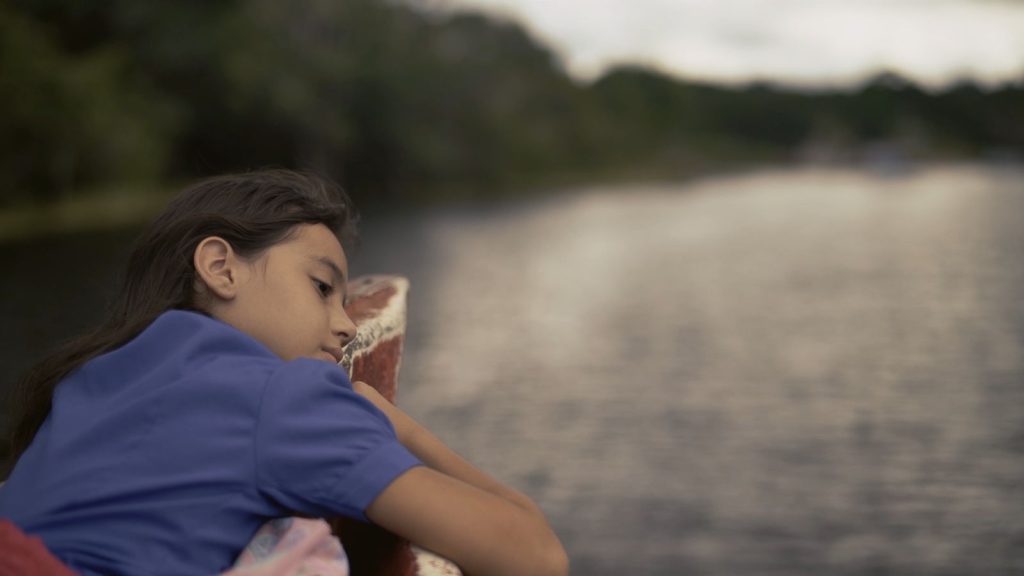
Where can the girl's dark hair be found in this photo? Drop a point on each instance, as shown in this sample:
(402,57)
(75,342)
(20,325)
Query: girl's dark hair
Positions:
(251,211)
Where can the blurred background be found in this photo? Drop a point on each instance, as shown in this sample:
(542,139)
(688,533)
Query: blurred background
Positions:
(728,287)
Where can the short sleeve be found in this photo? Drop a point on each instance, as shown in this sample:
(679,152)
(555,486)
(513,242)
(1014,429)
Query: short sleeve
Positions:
(321,448)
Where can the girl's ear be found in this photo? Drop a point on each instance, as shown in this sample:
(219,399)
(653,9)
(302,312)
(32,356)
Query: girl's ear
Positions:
(217,268)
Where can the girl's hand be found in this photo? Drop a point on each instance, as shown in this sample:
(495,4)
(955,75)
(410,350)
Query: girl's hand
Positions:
(404,426)
(364,389)
(457,510)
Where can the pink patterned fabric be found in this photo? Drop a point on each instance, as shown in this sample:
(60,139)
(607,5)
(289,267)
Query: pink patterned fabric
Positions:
(292,547)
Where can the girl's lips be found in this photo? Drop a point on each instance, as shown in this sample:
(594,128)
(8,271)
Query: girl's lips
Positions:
(334,353)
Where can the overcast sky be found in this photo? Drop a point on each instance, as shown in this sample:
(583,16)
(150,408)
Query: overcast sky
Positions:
(816,42)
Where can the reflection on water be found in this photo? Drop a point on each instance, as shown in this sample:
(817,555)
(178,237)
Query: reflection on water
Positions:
(790,372)
(784,373)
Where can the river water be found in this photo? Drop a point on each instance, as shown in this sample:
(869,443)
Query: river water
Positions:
(785,372)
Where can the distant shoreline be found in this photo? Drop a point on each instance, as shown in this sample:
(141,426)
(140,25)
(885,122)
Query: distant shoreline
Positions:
(77,215)
(120,210)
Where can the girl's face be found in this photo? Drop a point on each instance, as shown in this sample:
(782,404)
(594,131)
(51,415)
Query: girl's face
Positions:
(291,298)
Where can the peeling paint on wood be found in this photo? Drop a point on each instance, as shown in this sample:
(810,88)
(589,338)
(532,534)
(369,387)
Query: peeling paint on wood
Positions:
(377,305)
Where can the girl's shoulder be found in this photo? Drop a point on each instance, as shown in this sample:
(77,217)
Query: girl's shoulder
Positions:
(177,352)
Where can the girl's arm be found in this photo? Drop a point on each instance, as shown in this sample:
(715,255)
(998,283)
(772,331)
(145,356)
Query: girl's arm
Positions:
(456,510)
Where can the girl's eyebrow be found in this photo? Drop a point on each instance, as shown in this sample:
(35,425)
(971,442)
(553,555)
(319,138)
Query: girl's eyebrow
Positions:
(339,276)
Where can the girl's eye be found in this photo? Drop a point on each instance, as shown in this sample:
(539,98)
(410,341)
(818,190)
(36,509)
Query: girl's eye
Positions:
(324,288)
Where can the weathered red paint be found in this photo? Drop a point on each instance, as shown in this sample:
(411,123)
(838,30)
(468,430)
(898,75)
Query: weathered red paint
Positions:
(379,368)
(377,306)
(373,551)
(367,297)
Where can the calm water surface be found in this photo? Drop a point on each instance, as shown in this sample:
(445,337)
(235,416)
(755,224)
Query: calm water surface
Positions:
(787,372)
(793,372)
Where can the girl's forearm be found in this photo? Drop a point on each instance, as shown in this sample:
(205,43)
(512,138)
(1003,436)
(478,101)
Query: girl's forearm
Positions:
(478,522)
(435,454)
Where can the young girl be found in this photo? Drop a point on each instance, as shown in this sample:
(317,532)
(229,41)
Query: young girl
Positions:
(210,401)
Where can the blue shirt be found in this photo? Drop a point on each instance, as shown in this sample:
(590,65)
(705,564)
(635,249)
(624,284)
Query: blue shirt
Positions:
(166,455)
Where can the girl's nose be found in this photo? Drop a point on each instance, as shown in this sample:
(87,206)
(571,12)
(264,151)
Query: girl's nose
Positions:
(343,327)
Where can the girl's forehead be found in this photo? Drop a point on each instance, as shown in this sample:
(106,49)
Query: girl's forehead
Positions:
(316,241)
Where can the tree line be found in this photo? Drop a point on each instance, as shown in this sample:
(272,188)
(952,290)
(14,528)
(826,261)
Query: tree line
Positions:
(403,103)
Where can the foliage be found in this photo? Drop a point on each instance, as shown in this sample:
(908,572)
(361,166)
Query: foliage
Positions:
(66,121)
(401,103)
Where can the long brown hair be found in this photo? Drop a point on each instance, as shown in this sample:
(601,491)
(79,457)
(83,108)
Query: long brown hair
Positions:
(251,211)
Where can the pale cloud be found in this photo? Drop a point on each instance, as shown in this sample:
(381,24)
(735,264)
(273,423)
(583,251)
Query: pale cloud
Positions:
(804,41)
